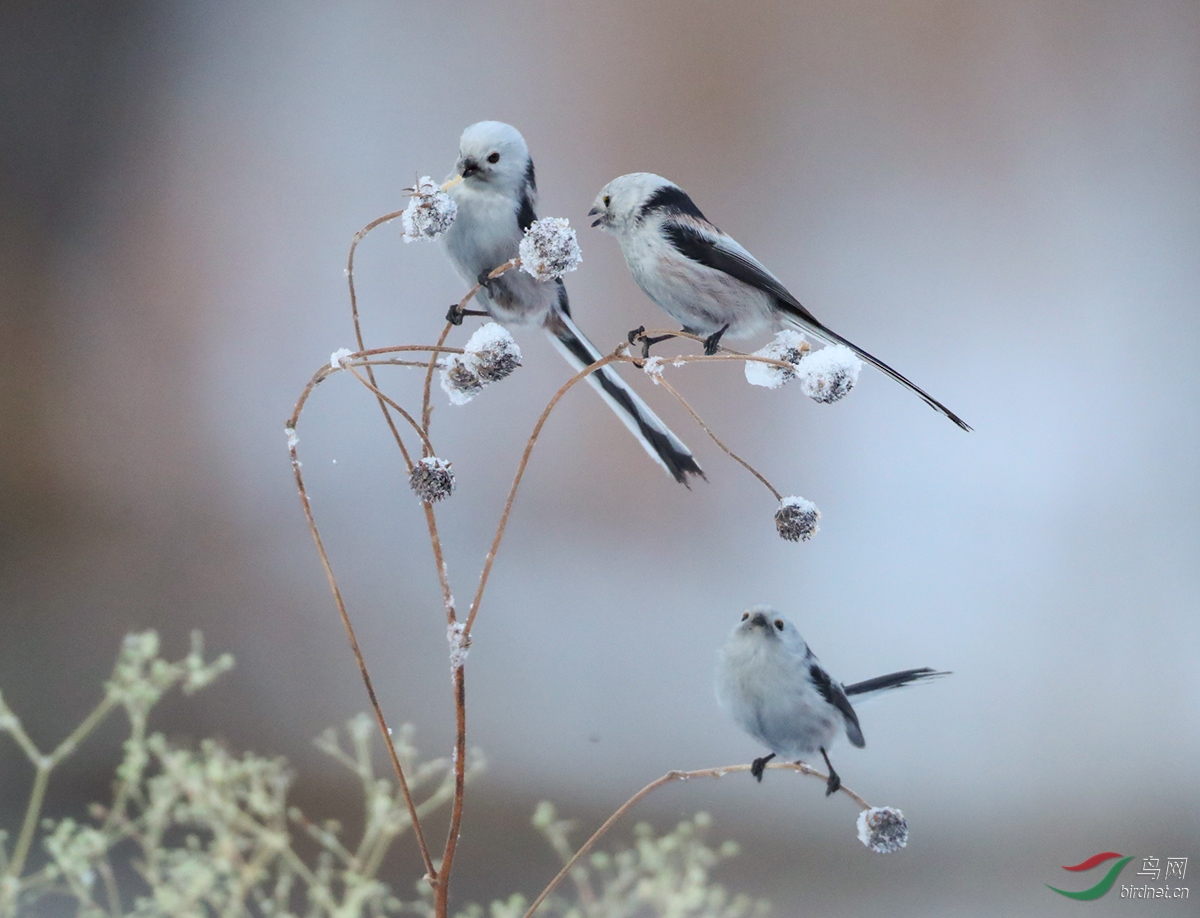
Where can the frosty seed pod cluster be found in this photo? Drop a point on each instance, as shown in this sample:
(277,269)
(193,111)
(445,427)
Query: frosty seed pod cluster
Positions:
(490,355)
(429,213)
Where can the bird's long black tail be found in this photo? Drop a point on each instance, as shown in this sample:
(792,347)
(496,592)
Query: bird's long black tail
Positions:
(892,681)
(807,321)
(656,438)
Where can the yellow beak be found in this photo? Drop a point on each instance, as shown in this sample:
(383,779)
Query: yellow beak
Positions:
(450,183)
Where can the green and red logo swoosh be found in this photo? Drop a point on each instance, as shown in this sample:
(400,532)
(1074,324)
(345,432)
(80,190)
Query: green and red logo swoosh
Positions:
(1095,892)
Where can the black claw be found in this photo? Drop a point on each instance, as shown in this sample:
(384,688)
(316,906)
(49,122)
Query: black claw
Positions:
(757,766)
(713,342)
(485,282)
(635,333)
(647,342)
(455,316)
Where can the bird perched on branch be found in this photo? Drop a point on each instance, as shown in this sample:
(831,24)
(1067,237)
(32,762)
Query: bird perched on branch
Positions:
(702,277)
(775,689)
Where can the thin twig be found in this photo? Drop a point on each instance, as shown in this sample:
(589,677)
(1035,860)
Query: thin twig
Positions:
(801,767)
(744,464)
(426,405)
(512,492)
(369,382)
(442,890)
(354,647)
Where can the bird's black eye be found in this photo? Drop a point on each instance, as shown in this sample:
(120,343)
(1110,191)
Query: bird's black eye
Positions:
(607,200)
(779,624)
(745,615)
(493,157)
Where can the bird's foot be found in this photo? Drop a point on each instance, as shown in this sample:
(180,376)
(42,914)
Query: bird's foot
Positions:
(834,782)
(456,314)
(713,342)
(485,280)
(638,335)
(757,766)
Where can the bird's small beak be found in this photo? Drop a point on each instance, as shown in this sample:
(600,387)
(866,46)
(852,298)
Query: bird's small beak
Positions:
(593,212)
(451,182)
(758,619)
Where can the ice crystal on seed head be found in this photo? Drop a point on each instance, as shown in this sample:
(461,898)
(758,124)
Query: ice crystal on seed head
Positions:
(431,479)
(654,369)
(883,829)
(338,357)
(429,213)
(789,346)
(829,374)
(796,519)
(549,248)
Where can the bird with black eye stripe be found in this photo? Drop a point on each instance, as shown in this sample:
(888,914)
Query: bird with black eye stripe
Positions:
(702,277)
(496,192)
(775,689)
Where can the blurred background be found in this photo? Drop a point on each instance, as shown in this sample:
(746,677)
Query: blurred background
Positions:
(1001,200)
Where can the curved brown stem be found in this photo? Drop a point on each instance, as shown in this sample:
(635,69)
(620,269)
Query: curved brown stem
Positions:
(801,767)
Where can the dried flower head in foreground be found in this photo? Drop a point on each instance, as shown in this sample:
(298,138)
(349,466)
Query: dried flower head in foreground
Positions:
(796,519)
(883,829)
(431,479)
(490,355)
(829,374)
(429,213)
(549,248)
(494,351)
(787,345)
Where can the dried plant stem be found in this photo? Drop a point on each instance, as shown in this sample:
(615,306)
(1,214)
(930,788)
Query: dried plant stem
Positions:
(426,404)
(736,458)
(369,382)
(802,767)
(384,731)
(441,890)
(512,491)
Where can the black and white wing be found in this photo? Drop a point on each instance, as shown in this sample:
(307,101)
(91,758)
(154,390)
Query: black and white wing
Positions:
(831,690)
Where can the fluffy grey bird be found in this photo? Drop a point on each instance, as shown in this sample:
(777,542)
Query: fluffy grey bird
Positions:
(496,198)
(774,688)
(703,277)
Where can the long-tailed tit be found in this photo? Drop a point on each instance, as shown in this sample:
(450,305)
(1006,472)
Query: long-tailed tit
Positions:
(496,198)
(776,690)
(703,277)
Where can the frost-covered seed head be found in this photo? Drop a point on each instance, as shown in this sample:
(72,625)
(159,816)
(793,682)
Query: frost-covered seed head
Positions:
(490,355)
(431,479)
(796,519)
(883,829)
(829,374)
(429,213)
(494,351)
(787,345)
(549,248)
(459,379)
